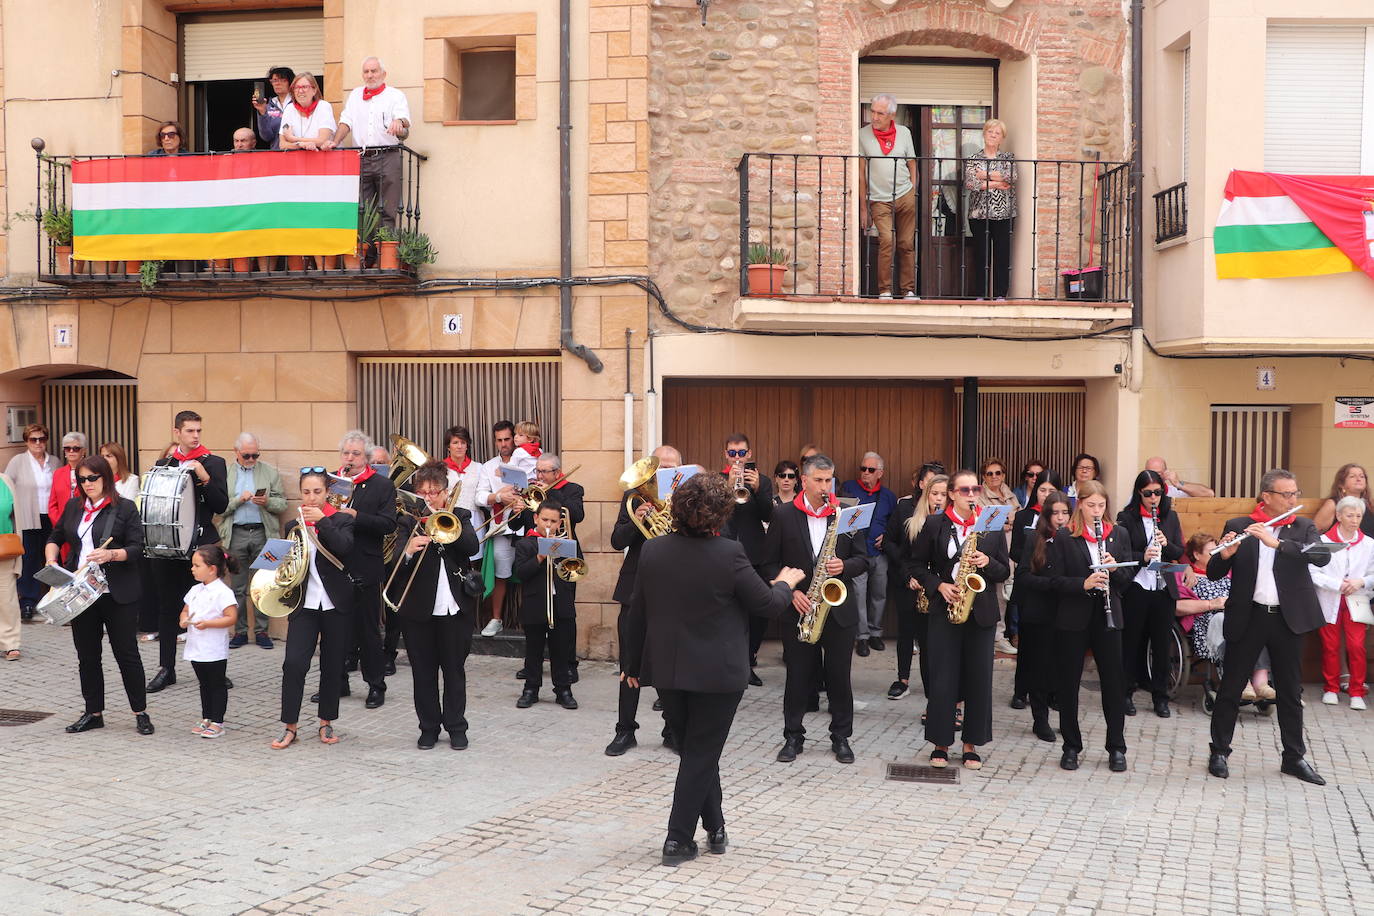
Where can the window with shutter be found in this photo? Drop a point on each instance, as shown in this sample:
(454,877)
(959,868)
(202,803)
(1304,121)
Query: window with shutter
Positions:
(1318,102)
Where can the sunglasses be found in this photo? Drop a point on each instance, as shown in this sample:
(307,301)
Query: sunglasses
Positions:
(168,133)
(868,470)
(314,469)
(38,438)
(787,475)
(250,456)
(968,491)
(1148,493)
(72,448)
(88,478)
(1031,475)
(737,452)
(994,473)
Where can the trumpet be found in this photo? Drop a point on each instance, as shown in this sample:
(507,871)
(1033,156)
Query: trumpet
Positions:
(442,527)
(536,493)
(742,493)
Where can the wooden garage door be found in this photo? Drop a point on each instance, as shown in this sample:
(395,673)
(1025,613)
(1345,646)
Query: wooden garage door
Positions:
(907,423)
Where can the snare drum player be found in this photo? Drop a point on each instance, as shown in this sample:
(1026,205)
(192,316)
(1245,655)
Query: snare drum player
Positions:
(171,576)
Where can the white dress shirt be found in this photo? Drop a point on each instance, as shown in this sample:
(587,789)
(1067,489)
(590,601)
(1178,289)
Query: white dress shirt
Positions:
(315,594)
(817,528)
(303,128)
(369,120)
(445,605)
(1266,589)
(1148,579)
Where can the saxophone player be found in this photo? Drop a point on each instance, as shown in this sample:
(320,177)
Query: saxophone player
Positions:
(795,537)
(960,653)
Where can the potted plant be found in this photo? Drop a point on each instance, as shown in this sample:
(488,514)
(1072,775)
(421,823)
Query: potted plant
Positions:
(132,268)
(242,265)
(148,273)
(295,262)
(369,219)
(415,249)
(387,243)
(57,223)
(767,267)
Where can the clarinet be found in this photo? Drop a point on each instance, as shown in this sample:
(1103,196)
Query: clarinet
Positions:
(1107,589)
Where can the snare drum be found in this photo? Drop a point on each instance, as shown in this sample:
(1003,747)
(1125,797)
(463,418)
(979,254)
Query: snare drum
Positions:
(62,605)
(168,503)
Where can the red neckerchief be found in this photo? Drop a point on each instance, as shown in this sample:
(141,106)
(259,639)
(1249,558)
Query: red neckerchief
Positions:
(886,138)
(558,486)
(199,451)
(307,110)
(531,447)
(728,469)
(369,93)
(1201,571)
(1088,532)
(455,466)
(824,512)
(363,475)
(866,489)
(1144,513)
(1335,535)
(326,510)
(1260,515)
(92,511)
(959,523)
(1036,508)
(534,532)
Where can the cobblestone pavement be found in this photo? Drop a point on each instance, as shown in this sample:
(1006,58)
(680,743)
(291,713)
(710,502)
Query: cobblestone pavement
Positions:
(534,818)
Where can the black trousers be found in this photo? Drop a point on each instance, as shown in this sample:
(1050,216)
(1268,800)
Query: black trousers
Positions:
(30,589)
(1266,630)
(905,603)
(333,631)
(629,696)
(991,256)
(560,642)
(1148,615)
(172,579)
(833,655)
(367,635)
(391,639)
(757,627)
(1035,668)
(960,667)
(440,645)
(700,722)
(118,623)
(214,695)
(1070,647)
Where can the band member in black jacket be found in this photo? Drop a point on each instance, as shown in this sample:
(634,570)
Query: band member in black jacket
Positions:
(1150,598)
(748,520)
(171,576)
(913,627)
(531,569)
(547,471)
(626,536)
(325,616)
(1023,526)
(960,654)
(438,612)
(373,508)
(687,634)
(1038,602)
(85,525)
(794,539)
(1273,602)
(1087,620)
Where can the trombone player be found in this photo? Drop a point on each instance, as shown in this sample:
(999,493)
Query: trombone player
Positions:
(548,473)
(547,597)
(438,608)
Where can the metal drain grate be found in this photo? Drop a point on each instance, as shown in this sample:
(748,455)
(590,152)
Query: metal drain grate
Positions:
(21,716)
(914,772)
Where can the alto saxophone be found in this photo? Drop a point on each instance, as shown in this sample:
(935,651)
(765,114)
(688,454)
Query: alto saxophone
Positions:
(967,581)
(824,592)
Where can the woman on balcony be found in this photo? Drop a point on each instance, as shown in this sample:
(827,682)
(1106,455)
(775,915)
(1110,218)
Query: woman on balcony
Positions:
(990,177)
(274,106)
(308,122)
(171,140)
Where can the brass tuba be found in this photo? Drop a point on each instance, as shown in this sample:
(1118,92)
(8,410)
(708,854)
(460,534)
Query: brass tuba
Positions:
(278,592)
(968,582)
(639,481)
(406,459)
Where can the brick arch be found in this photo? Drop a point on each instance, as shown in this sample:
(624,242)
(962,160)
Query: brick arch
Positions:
(948,38)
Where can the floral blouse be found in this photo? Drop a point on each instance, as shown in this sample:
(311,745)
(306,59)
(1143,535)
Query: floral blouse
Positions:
(985,202)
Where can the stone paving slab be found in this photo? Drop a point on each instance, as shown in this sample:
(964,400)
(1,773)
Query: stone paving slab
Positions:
(533,818)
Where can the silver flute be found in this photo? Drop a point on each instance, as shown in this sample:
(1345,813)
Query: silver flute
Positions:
(1245,534)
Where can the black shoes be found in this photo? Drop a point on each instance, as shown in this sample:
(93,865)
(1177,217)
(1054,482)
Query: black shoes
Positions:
(658,705)
(675,853)
(754,679)
(459,741)
(1018,702)
(564,698)
(621,743)
(1069,761)
(1303,770)
(861,648)
(898,690)
(527,699)
(376,696)
(390,668)
(520,675)
(716,841)
(1130,706)
(1162,709)
(840,748)
(573,676)
(144,725)
(791,747)
(165,677)
(671,743)
(228,684)
(1217,766)
(876,643)
(1043,731)
(87,722)
(427,741)
(1116,761)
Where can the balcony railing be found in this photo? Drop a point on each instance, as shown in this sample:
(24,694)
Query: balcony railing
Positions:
(56,264)
(1171,213)
(1069,240)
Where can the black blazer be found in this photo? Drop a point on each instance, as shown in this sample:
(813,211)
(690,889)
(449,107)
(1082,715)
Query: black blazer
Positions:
(335,532)
(626,536)
(895,545)
(212,497)
(1071,559)
(1134,527)
(529,569)
(126,532)
(929,562)
(1022,527)
(455,558)
(746,522)
(789,544)
(1297,594)
(571,495)
(374,500)
(1033,590)
(688,624)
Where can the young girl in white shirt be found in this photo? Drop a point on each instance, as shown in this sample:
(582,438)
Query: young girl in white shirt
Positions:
(208,615)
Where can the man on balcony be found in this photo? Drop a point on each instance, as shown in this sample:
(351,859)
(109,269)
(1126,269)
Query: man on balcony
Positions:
(378,118)
(887,193)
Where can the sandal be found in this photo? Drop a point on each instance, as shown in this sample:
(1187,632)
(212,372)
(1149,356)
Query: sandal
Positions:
(972,761)
(939,759)
(200,727)
(288,738)
(327,735)
(12,655)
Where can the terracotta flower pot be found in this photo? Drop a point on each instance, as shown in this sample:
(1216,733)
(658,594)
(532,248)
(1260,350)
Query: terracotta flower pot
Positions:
(63,257)
(766,279)
(132,267)
(295,262)
(328,262)
(353,261)
(242,265)
(220,265)
(388,259)
(82,267)
(266,264)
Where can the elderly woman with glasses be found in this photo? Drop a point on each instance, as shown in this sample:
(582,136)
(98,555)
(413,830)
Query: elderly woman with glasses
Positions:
(171,140)
(31,472)
(64,478)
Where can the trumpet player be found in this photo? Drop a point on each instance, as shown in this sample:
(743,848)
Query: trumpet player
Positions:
(748,522)
(548,473)
(542,589)
(437,614)
(960,653)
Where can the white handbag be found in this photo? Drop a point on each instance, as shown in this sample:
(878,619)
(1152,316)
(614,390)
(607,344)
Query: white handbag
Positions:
(1358,606)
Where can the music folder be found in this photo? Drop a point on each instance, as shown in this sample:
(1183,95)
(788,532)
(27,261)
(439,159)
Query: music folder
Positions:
(669,479)
(1160,566)
(273,553)
(854,518)
(560,548)
(992,518)
(513,477)
(1326,547)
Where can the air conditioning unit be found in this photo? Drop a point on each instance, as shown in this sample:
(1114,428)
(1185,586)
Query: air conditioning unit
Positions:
(19,417)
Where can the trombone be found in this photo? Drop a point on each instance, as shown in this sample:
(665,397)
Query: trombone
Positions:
(442,527)
(569,569)
(536,493)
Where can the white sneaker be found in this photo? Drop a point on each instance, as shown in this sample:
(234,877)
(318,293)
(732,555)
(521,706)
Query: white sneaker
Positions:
(1357,704)
(911,295)
(1003,646)
(492,628)
(1330,699)
(884,295)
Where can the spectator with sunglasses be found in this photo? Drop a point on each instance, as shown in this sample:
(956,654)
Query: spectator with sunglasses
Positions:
(251,518)
(870,588)
(785,480)
(64,478)
(1024,490)
(171,140)
(32,472)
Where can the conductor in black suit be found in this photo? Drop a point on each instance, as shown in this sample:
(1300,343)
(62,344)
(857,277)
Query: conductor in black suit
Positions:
(373,508)
(747,522)
(1272,604)
(687,634)
(85,525)
(794,540)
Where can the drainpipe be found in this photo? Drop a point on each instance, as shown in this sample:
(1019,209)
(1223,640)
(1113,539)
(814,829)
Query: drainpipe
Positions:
(565,189)
(629,406)
(1137,364)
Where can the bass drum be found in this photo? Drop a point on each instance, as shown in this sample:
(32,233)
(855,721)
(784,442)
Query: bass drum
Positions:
(167,500)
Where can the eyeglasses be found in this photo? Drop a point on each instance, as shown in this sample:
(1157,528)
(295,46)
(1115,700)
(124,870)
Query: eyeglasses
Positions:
(868,470)
(787,475)
(1149,493)
(968,491)
(429,494)
(250,456)
(315,469)
(994,473)
(1085,467)
(72,448)
(737,452)
(1286,494)
(88,478)
(167,133)
(38,438)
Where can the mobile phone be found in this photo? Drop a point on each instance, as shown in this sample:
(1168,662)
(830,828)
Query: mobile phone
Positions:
(751,465)
(258,92)
(262,492)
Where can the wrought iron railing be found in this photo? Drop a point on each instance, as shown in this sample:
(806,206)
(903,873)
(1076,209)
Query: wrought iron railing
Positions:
(805,209)
(1171,213)
(53,219)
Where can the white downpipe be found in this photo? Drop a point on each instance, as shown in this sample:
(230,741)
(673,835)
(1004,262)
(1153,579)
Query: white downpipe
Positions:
(629,429)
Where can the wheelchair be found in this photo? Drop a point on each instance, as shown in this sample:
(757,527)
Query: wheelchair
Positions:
(1185,667)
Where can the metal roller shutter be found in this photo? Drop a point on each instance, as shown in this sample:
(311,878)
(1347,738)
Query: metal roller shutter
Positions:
(927,84)
(1315,103)
(247,49)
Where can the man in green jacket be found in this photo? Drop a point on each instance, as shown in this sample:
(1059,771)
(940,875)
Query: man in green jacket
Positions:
(253,516)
